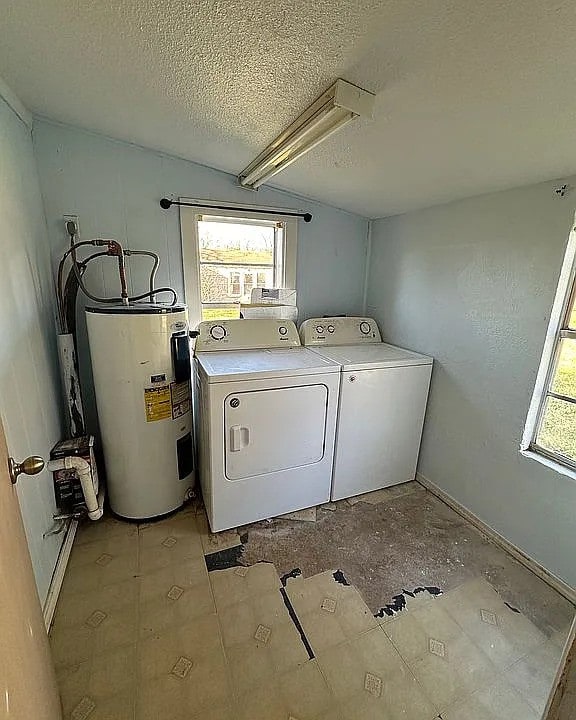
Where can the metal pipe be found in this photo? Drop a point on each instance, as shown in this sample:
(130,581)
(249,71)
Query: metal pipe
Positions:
(116,248)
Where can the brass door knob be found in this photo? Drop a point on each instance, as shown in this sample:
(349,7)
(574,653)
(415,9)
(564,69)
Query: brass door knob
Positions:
(31,466)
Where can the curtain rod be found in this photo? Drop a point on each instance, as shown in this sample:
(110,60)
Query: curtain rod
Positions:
(166,204)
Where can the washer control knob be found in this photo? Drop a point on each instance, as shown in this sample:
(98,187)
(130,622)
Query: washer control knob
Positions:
(217,332)
(365,328)
(331,328)
(283,330)
(319,329)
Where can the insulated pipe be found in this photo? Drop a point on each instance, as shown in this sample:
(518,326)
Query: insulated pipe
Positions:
(82,467)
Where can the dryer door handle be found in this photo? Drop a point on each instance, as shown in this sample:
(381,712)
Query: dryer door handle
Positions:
(239,438)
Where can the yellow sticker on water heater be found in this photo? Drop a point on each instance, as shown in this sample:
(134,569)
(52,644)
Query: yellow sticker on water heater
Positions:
(158,403)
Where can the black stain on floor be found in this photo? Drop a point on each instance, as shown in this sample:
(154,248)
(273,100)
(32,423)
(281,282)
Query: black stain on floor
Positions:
(340,577)
(224,559)
(399,601)
(293,574)
(296,622)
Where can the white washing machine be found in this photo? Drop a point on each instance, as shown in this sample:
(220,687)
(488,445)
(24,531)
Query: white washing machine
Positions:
(383,396)
(266,421)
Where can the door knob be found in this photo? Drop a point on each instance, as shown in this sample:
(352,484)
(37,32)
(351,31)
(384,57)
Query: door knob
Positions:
(31,466)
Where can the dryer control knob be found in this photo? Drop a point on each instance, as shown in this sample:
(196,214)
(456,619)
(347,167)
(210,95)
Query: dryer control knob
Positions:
(331,328)
(283,330)
(365,328)
(319,329)
(218,332)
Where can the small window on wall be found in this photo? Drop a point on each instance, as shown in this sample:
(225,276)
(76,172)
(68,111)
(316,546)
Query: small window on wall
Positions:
(227,254)
(234,283)
(550,432)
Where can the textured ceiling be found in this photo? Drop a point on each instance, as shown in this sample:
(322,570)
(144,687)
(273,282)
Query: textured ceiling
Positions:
(472,95)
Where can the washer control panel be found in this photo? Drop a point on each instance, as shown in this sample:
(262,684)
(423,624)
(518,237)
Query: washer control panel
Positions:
(246,334)
(339,331)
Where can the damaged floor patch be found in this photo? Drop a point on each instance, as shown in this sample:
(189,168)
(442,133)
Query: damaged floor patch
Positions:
(399,602)
(224,559)
(403,538)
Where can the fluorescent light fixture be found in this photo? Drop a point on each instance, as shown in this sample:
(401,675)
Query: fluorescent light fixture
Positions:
(340,104)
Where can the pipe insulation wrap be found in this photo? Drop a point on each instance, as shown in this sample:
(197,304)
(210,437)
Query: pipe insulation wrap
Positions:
(93,498)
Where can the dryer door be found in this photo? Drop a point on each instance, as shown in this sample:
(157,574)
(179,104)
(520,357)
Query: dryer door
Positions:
(271,430)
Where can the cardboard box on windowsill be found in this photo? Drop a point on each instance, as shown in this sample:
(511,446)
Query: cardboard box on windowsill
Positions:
(273,296)
(255,311)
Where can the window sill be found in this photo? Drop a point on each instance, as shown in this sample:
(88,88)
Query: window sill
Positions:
(552,464)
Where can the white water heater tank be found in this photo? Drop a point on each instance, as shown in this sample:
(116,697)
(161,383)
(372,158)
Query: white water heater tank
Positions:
(141,366)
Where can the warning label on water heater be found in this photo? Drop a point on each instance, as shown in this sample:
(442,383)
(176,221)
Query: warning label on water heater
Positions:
(180,399)
(158,403)
(167,401)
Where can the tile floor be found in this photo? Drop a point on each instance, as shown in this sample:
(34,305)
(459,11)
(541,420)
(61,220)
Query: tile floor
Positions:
(144,631)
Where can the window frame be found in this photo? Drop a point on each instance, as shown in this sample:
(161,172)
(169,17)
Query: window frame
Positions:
(558,328)
(191,247)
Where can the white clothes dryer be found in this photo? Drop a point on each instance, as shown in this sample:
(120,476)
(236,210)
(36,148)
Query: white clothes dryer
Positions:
(266,421)
(383,397)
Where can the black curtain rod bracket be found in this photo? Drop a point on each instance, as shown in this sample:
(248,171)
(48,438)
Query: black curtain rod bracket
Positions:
(166,204)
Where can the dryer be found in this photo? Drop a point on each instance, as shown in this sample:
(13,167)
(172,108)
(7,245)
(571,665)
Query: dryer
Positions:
(383,397)
(266,421)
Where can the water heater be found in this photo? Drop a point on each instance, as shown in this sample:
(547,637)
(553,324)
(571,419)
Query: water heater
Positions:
(141,366)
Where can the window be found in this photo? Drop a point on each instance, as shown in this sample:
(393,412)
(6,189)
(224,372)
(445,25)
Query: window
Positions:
(551,427)
(227,254)
(207,287)
(248,284)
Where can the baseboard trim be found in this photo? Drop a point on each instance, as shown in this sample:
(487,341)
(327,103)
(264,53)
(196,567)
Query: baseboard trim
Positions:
(533,565)
(58,576)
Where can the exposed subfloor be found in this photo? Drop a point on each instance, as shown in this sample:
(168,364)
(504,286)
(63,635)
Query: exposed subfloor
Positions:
(399,539)
(389,606)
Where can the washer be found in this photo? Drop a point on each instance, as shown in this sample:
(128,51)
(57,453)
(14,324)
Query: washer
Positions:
(383,396)
(267,412)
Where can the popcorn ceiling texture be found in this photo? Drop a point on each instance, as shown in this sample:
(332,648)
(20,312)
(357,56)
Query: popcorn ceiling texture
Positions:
(471,96)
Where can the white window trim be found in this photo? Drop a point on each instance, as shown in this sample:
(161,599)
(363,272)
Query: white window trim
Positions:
(559,309)
(191,251)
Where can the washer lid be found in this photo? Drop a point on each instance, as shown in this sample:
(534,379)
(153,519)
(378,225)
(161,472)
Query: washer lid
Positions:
(368,357)
(256,364)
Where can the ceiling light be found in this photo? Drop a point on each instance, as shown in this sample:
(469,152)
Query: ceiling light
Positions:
(340,104)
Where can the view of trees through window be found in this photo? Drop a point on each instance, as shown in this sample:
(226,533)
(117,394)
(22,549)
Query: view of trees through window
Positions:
(234,258)
(557,431)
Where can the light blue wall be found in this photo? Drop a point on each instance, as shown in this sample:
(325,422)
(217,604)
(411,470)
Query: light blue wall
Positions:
(29,384)
(472,284)
(115,187)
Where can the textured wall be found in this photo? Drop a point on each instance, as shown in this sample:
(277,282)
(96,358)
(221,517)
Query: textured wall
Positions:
(472,283)
(29,385)
(115,188)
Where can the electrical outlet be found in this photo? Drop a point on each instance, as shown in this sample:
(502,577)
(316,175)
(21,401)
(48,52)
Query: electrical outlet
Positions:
(71,218)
